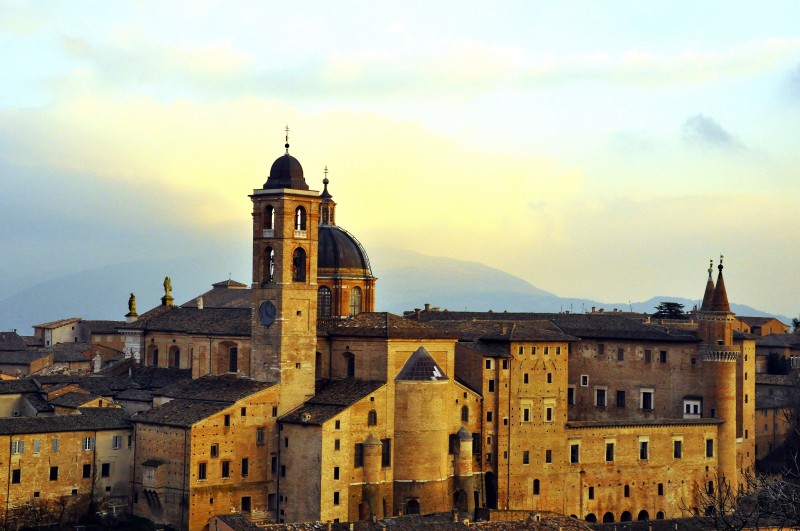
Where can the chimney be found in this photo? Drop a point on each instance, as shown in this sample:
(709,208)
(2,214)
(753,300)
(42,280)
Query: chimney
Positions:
(416,313)
(592,309)
(427,306)
(200,302)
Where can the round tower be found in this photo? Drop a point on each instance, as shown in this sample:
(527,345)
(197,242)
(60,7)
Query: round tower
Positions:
(719,354)
(371,490)
(463,471)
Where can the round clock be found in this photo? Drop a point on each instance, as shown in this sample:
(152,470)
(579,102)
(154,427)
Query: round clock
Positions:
(266,313)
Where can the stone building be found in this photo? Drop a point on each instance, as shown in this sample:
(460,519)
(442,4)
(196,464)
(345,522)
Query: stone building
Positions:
(352,413)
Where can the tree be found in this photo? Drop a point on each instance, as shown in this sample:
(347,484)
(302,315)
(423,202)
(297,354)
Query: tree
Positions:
(796,325)
(669,310)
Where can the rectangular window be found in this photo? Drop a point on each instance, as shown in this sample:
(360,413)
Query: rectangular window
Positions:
(505,364)
(358,455)
(246,504)
(226,469)
(600,398)
(227,420)
(549,377)
(546,351)
(662,356)
(337,444)
(201,471)
(525,378)
(260,436)
(626,490)
(274,411)
(491,386)
(243,411)
(526,457)
(16,475)
(215,450)
(677,449)
(526,415)
(620,354)
(648,356)
(286,442)
(17,447)
(476,444)
(558,350)
(548,414)
(245,467)
(53,473)
(709,447)
(609,452)
(591,493)
(274,465)
(55,445)
(574,453)
(621,399)
(533,351)
(386,452)
(37,446)
(520,350)
(105,470)
(548,456)
(660,489)
(337,425)
(488,364)
(336,472)
(647,399)
(87,470)
(584,380)
(571,395)
(116,442)
(88,443)
(336,498)
(644,450)
(130,441)
(488,416)
(283,471)
(601,350)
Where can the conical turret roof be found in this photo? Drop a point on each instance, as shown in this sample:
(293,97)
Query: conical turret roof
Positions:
(709,294)
(719,302)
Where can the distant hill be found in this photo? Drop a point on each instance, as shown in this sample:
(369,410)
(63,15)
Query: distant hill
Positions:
(406,280)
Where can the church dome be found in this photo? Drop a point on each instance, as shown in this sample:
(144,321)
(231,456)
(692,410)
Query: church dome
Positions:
(286,172)
(339,251)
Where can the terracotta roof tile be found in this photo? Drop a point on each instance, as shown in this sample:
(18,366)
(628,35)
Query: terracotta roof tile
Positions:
(332,398)
(88,419)
(385,325)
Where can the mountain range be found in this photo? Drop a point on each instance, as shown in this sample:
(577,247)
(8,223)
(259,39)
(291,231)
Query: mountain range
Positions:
(406,280)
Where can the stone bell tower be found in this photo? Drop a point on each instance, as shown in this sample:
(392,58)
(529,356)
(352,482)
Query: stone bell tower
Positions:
(284,327)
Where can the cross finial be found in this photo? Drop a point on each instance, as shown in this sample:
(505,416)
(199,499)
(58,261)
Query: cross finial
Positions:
(325,171)
(720,262)
(287,138)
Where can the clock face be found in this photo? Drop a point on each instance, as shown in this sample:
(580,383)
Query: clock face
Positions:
(266,313)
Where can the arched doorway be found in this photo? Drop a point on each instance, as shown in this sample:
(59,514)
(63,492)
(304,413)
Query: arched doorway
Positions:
(643,515)
(591,518)
(412,507)
(660,515)
(608,518)
(460,500)
(490,481)
(625,516)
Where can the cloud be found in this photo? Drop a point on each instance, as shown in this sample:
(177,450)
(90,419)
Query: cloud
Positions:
(703,130)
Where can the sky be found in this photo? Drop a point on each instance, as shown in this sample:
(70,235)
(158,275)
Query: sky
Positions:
(604,150)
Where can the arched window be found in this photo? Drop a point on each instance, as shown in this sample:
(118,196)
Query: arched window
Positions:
(324,302)
(412,507)
(464,414)
(153,356)
(269,265)
(355,301)
(625,517)
(299,265)
(591,518)
(350,360)
(323,214)
(372,418)
(660,515)
(269,218)
(300,218)
(643,515)
(175,357)
(608,518)
(233,359)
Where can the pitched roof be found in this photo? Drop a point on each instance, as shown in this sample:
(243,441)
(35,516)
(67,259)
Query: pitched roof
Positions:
(385,325)
(482,349)
(608,326)
(180,412)
(503,330)
(227,388)
(779,340)
(59,323)
(208,321)
(20,357)
(331,399)
(789,380)
(22,385)
(87,419)
(12,341)
(102,327)
(66,352)
(226,294)
(73,399)
(421,366)
(38,402)
(238,522)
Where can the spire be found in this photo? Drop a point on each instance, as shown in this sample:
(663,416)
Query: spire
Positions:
(719,302)
(709,294)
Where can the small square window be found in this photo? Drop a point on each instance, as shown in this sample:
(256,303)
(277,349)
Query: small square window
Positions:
(584,380)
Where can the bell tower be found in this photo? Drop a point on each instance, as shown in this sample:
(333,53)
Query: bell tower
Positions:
(285,237)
